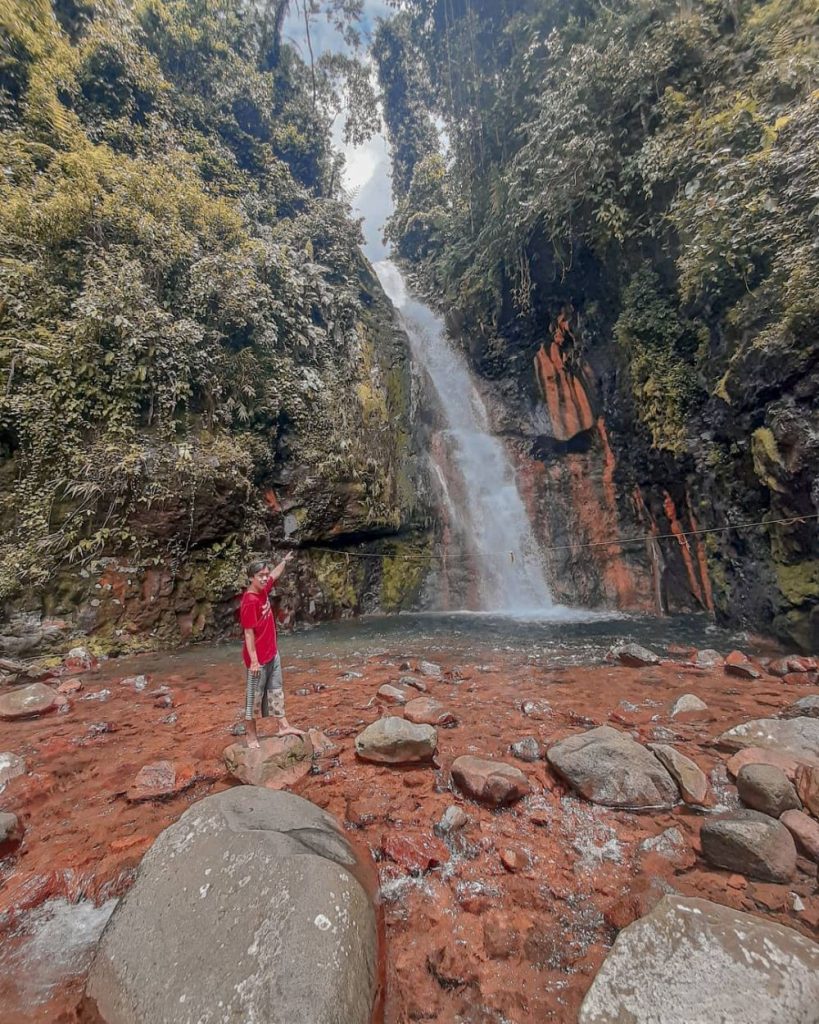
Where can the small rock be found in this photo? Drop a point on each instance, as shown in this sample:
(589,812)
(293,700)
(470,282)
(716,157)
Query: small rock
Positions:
(28,702)
(767,789)
(500,939)
(807,707)
(739,664)
(804,830)
(322,745)
(278,761)
(138,683)
(634,655)
(364,810)
(687,704)
(238,729)
(80,659)
(452,820)
(170,719)
(11,765)
(779,667)
(688,775)
(161,779)
(430,669)
(11,831)
(70,686)
(416,684)
(492,782)
(807,787)
(425,711)
(100,695)
(750,843)
(392,695)
(537,710)
(164,701)
(475,897)
(303,691)
(417,854)
(671,846)
(527,749)
(101,728)
(514,860)
(708,658)
(396,741)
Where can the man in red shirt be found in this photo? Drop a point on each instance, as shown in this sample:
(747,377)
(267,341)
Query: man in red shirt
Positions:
(260,651)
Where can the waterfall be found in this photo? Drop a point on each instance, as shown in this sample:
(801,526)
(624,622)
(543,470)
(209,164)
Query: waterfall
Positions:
(487,502)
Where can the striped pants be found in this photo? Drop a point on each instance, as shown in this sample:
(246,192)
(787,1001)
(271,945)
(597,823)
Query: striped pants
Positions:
(267,684)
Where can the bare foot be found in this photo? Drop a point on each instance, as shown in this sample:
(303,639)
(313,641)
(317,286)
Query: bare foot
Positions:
(286,729)
(252,738)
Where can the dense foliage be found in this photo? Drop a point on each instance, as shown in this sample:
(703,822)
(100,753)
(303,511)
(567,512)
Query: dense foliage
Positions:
(176,266)
(655,166)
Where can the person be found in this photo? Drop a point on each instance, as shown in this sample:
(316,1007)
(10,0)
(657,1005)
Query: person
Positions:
(260,650)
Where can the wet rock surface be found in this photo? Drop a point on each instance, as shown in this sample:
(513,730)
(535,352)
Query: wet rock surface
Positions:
(610,768)
(579,871)
(269,921)
(695,961)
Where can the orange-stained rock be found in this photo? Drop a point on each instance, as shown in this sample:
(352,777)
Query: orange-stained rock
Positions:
(415,853)
(807,788)
(28,702)
(130,843)
(70,686)
(492,782)
(425,711)
(739,664)
(805,831)
(277,763)
(764,755)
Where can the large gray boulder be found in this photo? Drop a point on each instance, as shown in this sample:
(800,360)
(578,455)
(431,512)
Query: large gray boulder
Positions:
(766,788)
(796,736)
(249,908)
(750,843)
(393,740)
(691,961)
(608,767)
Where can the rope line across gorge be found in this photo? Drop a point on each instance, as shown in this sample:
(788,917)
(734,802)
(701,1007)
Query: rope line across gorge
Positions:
(616,542)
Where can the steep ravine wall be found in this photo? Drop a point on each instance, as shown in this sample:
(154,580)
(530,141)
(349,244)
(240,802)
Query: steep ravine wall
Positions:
(593,481)
(343,478)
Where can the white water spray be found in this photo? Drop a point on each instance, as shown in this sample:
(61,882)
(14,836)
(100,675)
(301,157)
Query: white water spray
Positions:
(511,579)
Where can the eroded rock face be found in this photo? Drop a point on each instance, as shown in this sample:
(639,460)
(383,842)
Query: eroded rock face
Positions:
(247,909)
(491,782)
(608,767)
(276,763)
(695,961)
(751,844)
(393,740)
(28,701)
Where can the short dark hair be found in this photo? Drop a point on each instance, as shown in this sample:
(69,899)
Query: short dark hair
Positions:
(255,566)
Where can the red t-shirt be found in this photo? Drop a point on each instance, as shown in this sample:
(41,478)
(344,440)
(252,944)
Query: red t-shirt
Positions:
(255,613)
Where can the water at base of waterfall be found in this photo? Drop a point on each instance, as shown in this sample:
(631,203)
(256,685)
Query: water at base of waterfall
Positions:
(490,512)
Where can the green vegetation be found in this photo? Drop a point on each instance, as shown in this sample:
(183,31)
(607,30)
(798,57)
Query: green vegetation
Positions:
(179,278)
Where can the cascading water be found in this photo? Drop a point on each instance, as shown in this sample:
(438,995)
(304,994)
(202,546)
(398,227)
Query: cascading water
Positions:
(511,579)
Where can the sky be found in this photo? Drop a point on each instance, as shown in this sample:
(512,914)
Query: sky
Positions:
(367,170)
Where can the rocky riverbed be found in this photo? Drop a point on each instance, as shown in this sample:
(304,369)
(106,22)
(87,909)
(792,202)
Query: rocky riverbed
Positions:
(498,910)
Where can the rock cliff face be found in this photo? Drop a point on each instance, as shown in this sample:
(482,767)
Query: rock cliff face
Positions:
(593,481)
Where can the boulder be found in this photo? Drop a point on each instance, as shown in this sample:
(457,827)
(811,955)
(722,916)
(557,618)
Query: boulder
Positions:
(526,749)
(807,707)
(161,779)
(491,782)
(804,830)
(798,737)
(739,664)
(251,907)
(396,741)
(28,701)
(634,655)
(689,776)
(11,832)
(278,761)
(764,755)
(689,703)
(807,787)
(691,961)
(425,711)
(750,843)
(394,695)
(11,765)
(608,767)
(766,788)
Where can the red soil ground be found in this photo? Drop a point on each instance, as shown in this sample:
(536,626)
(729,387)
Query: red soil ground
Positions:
(467,941)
